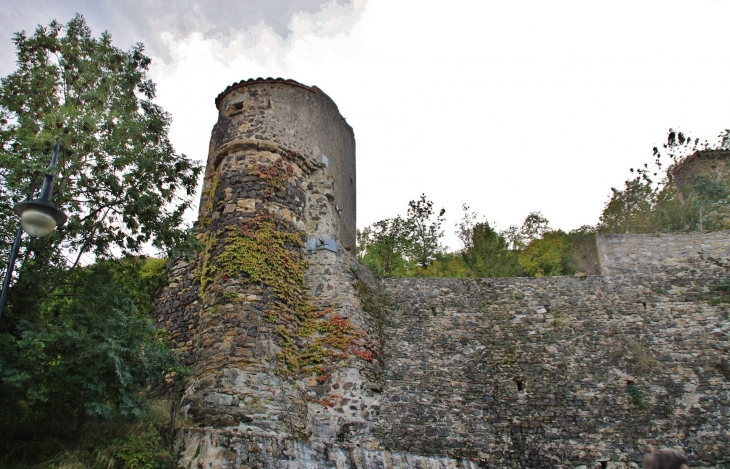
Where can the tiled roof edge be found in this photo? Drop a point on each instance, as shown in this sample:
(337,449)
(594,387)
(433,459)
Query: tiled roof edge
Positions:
(254,81)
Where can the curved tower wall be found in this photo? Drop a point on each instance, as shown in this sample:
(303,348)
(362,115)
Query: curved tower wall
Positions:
(270,313)
(284,337)
(298,118)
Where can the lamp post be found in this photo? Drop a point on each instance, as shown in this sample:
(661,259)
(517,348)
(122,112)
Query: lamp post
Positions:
(38,218)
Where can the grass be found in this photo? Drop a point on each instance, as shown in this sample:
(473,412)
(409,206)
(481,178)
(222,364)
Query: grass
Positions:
(637,353)
(636,396)
(640,356)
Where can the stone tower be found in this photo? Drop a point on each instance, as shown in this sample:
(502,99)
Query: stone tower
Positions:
(284,330)
(270,313)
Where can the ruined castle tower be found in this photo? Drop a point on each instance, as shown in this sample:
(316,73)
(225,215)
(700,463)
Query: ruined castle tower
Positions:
(284,331)
(268,314)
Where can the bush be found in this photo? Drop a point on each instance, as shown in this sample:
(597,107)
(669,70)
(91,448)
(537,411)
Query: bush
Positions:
(106,444)
(86,351)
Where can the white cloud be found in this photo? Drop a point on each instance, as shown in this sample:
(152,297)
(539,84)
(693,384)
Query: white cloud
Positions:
(508,106)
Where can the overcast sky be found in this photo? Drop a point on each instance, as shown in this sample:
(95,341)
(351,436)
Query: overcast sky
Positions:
(511,107)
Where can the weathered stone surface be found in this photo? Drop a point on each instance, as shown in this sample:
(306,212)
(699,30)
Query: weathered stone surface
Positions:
(231,336)
(556,371)
(236,449)
(669,254)
(585,371)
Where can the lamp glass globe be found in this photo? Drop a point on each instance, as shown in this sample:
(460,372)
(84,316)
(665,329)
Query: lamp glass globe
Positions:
(37,223)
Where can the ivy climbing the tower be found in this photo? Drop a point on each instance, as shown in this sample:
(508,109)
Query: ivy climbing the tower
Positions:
(275,174)
(269,251)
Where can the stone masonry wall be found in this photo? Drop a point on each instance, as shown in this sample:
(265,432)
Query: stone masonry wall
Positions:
(669,254)
(299,118)
(322,366)
(279,340)
(554,372)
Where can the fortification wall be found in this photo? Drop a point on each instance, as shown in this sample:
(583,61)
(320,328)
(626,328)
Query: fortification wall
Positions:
(301,359)
(267,313)
(554,372)
(671,255)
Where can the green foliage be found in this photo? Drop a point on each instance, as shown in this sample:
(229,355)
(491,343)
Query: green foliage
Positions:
(118,177)
(584,252)
(386,247)
(275,174)
(88,349)
(383,247)
(636,396)
(400,247)
(426,232)
(265,252)
(485,252)
(672,195)
(548,255)
(141,278)
(534,226)
(144,450)
(560,253)
(268,251)
(78,342)
(489,255)
(448,265)
(629,209)
(107,444)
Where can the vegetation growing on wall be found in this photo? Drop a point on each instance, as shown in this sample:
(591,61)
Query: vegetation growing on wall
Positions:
(669,196)
(275,174)
(269,251)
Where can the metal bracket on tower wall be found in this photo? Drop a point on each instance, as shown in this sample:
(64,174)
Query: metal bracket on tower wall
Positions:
(315,244)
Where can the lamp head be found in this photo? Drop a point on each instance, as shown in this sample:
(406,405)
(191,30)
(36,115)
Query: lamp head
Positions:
(39,218)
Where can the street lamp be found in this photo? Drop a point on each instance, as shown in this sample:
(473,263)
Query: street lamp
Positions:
(38,218)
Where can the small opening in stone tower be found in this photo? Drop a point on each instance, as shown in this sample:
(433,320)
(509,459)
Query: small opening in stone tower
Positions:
(520,384)
(238,106)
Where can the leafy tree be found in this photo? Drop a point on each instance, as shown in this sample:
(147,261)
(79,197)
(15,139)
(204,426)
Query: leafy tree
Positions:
(584,253)
(426,230)
(629,209)
(119,178)
(548,255)
(387,247)
(490,255)
(87,350)
(397,245)
(446,265)
(485,252)
(532,228)
(713,202)
(77,341)
(383,246)
(465,228)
